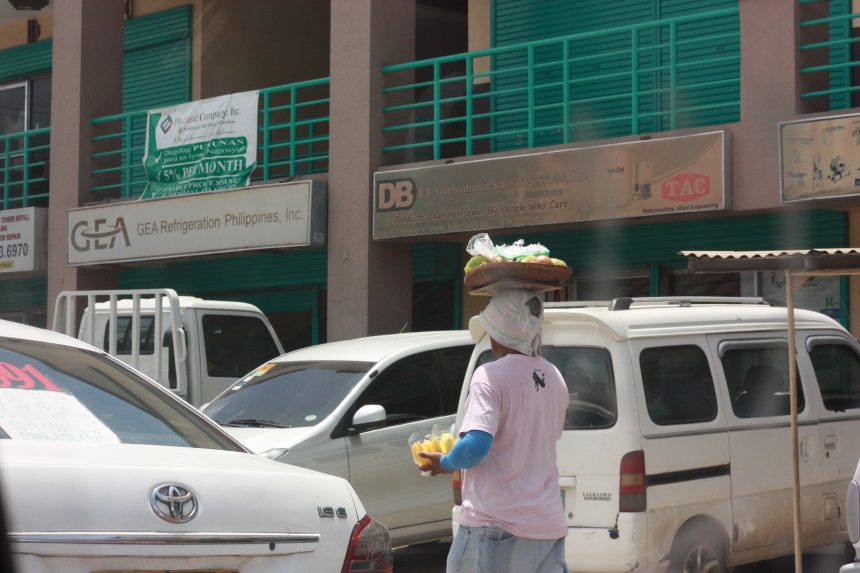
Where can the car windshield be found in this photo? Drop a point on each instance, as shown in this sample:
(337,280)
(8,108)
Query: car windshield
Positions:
(60,393)
(287,394)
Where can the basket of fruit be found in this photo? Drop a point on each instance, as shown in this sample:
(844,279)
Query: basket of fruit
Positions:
(494,268)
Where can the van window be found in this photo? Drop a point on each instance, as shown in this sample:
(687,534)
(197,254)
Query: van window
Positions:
(587,371)
(679,388)
(409,390)
(124,333)
(837,369)
(757,379)
(235,345)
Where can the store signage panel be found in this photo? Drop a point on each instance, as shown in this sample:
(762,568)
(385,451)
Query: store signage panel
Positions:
(820,158)
(638,179)
(268,216)
(23,240)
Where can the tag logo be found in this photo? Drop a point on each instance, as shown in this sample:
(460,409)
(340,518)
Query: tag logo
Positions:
(101,235)
(166,124)
(686,187)
(395,195)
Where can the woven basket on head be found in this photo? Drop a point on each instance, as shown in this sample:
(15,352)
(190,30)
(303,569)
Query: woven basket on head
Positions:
(490,278)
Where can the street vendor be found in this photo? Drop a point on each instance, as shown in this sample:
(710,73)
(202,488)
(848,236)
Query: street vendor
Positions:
(512,518)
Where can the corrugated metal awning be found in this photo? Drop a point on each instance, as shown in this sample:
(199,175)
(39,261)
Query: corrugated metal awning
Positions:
(843,260)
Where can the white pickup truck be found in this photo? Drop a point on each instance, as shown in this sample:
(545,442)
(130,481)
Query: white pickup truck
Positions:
(194,347)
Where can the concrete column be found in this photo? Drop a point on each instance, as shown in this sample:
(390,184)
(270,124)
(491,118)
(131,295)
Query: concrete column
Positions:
(86,83)
(369,282)
(769,95)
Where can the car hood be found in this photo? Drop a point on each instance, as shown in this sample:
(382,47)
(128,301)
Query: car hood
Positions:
(260,440)
(62,487)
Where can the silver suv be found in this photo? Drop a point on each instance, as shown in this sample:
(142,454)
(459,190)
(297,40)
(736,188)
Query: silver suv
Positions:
(348,408)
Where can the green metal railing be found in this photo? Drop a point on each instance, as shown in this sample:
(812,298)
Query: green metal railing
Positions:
(666,74)
(293,139)
(828,54)
(24,168)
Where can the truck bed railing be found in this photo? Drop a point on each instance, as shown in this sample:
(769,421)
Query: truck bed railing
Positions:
(66,315)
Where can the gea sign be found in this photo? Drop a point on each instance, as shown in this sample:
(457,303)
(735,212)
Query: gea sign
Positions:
(393,195)
(686,187)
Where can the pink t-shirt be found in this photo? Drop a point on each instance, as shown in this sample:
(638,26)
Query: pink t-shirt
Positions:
(520,400)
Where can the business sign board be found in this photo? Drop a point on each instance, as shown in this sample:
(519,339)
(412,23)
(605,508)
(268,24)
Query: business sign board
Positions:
(677,175)
(820,158)
(23,240)
(204,145)
(263,217)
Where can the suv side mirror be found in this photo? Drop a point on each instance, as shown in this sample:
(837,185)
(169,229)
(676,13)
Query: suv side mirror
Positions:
(368,417)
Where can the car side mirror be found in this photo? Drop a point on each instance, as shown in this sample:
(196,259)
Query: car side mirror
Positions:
(368,417)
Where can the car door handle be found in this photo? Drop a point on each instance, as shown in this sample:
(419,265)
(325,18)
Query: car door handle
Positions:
(831,442)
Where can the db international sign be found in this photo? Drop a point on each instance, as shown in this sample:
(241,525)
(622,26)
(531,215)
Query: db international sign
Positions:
(675,175)
(263,217)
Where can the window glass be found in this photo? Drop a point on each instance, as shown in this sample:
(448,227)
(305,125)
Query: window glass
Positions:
(287,394)
(837,369)
(235,345)
(409,390)
(587,371)
(609,288)
(67,394)
(704,284)
(124,334)
(679,388)
(757,379)
(40,109)
(13,108)
(454,363)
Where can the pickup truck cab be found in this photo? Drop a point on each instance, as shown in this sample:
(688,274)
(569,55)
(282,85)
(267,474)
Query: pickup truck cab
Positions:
(194,347)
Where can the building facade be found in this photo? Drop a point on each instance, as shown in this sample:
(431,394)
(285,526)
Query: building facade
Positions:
(388,132)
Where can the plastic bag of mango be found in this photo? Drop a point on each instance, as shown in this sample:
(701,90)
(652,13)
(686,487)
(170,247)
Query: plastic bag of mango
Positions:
(436,441)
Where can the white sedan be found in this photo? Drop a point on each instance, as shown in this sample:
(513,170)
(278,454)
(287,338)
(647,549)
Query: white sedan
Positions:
(103,470)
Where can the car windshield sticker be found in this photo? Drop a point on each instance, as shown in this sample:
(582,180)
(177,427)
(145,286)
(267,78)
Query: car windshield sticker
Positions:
(54,416)
(261,370)
(27,377)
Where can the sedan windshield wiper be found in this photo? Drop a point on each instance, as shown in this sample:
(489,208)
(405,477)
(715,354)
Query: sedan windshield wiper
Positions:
(254,423)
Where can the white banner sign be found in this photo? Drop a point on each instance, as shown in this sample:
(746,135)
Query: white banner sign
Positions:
(23,240)
(268,216)
(204,145)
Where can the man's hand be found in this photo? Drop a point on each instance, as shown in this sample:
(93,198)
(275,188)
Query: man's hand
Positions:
(433,465)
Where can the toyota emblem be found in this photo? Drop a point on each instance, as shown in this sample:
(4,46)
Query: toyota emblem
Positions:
(173,502)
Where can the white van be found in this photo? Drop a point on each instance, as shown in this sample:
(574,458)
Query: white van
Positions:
(201,346)
(676,454)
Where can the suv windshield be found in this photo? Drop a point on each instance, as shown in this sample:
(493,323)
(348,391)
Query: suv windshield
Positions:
(287,394)
(60,393)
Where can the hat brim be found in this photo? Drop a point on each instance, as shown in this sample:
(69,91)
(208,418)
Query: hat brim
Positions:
(476,329)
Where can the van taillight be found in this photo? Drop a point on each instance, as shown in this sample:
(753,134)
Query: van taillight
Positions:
(369,549)
(631,493)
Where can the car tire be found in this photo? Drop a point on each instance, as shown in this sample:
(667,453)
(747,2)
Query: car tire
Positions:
(698,551)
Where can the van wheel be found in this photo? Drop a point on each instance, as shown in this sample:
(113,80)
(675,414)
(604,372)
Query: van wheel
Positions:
(697,554)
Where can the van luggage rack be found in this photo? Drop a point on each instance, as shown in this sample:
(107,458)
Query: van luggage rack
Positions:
(624,303)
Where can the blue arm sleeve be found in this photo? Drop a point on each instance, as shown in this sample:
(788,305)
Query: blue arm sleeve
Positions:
(468,451)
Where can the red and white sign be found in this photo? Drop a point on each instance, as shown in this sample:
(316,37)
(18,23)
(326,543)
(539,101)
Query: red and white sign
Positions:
(686,187)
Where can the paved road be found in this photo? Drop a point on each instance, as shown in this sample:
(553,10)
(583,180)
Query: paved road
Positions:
(430,558)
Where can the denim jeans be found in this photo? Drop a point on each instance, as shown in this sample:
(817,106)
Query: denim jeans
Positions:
(491,549)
